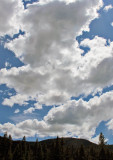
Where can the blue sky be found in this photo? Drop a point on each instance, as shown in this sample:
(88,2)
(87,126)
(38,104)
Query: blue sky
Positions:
(56,68)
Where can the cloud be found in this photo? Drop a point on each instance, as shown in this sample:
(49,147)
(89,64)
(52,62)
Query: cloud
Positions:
(55,69)
(80,118)
(9,18)
(112,24)
(20,117)
(107,8)
(38,106)
(7,64)
(54,84)
(53,30)
(95,139)
(110,124)
(17,99)
(32,109)
(17,111)
(43,2)
(50,51)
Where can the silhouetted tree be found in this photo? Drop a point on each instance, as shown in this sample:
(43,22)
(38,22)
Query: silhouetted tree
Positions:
(67,155)
(62,148)
(101,139)
(81,153)
(35,150)
(22,150)
(5,135)
(40,152)
(102,154)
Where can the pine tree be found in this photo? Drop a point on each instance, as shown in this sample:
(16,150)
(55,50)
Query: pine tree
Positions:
(52,151)
(45,156)
(10,138)
(5,135)
(35,150)
(57,149)
(67,154)
(40,152)
(102,154)
(101,139)
(9,154)
(18,152)
(24,139)
(62,148)
(29,153)
(81,153)
(24,148)
(92,153)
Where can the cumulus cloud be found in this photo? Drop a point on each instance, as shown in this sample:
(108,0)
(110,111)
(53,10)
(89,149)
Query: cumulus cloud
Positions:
(112,24)
(80,118)
(38,106)
(110,124)
(32,109)
(55,69)
(76,74)
(107,8)
(7,64)
(17,111)
(49,49)
(53,30)
(9,18)
(17,99)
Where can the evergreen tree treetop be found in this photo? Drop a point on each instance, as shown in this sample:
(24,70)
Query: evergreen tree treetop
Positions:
(102,139)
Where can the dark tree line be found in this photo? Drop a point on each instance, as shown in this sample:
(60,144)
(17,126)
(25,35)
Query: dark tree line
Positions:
(57,150)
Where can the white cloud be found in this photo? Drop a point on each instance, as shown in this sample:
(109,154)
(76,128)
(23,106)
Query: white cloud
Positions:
(107,8)
(38,106)
(43,2)
(55,65)
(30,110)
(55,70)
(17,99)
(110,124)
(17,118)
(80,118)
(9,18)
(74,75)
(50,50)
(95,139)
(17,111)
(112,24)
(7,64)
(53,30)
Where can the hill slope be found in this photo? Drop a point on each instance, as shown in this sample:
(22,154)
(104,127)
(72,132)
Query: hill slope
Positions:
(75,142)
(54,149)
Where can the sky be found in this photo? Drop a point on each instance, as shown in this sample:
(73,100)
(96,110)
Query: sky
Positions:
(56,69)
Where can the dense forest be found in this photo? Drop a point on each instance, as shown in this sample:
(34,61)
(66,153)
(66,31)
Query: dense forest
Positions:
(55,149)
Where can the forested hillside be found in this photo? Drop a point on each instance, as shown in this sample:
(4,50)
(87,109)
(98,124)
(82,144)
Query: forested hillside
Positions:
(54,149)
